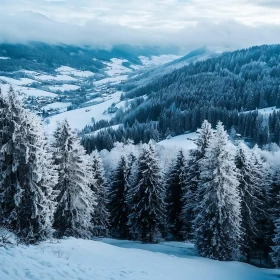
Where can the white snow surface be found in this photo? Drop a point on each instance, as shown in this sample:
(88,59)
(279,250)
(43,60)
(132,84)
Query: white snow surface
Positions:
(28,91)
(112,80)
(64,87)
(14,82)
(115,67)
(118,260)
(57,105)
(157,60)
(66,70)
(79,118)
(55,78)
(184,142)
(265,111)
(44,77)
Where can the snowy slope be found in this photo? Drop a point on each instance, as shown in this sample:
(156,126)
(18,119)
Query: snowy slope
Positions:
(87,260)
(79,118)
(265,111)
(28,91)
(65,70)
(115,67)
(185,142)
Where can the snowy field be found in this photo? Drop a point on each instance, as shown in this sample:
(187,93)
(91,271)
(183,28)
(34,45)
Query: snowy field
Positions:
(28,91)
(118,260)
(64,87)
(57,105)
(65,70)
(184,142)
(157,60)
(265,111)
(115,67)
(79,118)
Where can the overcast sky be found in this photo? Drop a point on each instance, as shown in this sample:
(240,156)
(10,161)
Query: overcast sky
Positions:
(184,23)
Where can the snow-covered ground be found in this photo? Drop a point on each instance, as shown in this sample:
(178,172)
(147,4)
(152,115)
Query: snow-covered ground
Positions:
(28,91)
(79,118)
(157,60)
(118,260)
(64,87)
(184,142)
(115,67)
(14,82)
(57,106)
(112,80)
(65,70)
(265,111)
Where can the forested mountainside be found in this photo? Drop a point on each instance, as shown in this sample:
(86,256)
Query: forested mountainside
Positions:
(230,88)
(37,56)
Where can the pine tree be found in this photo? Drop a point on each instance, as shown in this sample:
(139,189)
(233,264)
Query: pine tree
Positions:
(274,213)
(76,201)
(146,198)
(176,184)
(99,187)
(250,193)
(218,222)
(263,180)
(119,208)
(192,193)
(26,194)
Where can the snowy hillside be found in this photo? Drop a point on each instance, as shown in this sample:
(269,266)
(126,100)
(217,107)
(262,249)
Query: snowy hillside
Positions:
(74,78)
(87,260)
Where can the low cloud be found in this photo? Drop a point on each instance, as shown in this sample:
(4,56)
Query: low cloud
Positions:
(268,3)
(187,24)
(27,26)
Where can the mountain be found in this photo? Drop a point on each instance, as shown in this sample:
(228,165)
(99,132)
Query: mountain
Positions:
(58,78)
(156,73)
(219,88)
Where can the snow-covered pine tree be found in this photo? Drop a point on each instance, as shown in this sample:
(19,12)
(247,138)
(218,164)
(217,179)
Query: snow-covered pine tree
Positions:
(119,208)
(176,184)
(100,218)
(250,193)
(146,198)
(75,201)
(27,179)
(192,194)
(262,174)
(274,214)
(275,254)
(218,222)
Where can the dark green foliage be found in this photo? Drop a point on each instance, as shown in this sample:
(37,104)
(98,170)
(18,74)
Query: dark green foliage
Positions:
(146,198)
(119,207)
(176,189)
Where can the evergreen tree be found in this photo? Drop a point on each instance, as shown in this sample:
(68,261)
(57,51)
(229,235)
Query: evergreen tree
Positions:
(263,182)
(274,214)
(250,193)
(99,187)
(26,194)
(218,221)
(76,201)
(119,208)
(274,211)
(146,198)
(176,184)
(192,193)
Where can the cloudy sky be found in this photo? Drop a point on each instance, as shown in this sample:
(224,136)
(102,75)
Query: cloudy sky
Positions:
(184,23)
